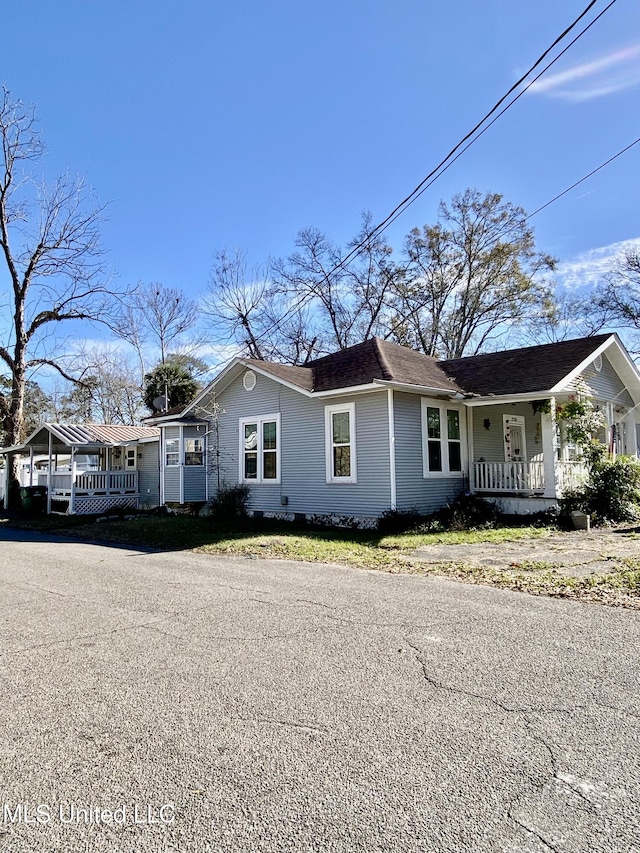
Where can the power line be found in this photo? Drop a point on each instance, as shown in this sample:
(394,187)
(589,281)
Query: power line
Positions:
(502,234)
(440,171)
(447,161)
(577,183)
(444,163)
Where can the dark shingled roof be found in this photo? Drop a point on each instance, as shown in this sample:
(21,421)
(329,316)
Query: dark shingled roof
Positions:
(517,371)
(300,376)
(378,359)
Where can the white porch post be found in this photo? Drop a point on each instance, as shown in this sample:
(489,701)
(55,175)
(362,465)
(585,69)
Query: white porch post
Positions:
(392,450)
(72,499)
(550,450)
(205,450)
(8,461)
(49,477)
(181,468)
(161,464)
(470,451)
(31,466)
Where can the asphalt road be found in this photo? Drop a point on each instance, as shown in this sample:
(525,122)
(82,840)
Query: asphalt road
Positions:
(179,702)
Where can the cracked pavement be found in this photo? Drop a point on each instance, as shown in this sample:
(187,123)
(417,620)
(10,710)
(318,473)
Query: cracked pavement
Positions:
(279,706)
(576,553)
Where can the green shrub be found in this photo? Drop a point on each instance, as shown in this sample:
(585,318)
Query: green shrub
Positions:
(231,504)
(468,512)
(399,521)
(612,493)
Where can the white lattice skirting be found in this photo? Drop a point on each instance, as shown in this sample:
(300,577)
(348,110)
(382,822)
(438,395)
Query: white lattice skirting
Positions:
(86,506)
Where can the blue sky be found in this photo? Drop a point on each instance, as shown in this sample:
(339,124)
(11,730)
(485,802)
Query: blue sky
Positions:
(209,125)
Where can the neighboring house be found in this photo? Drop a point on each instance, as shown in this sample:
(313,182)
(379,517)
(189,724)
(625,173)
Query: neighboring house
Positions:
(90,468)
(378,426)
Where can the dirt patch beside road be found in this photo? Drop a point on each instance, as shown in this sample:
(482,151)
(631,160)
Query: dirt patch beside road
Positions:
(600,566)
(576,554)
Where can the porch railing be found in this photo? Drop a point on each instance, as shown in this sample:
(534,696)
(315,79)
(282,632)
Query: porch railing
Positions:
(508,476)
(571,475)
(90,483)
(526,476)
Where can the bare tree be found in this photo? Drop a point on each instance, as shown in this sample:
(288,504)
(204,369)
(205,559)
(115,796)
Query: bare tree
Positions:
(307,304)
(49,243)
(616,301)
(238,303)
(469,278)
(110,391)
(567,314)
(157,316)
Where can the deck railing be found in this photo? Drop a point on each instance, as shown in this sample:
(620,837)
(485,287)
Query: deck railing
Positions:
(526,476)
(571,475)
(90,483)
(508,476)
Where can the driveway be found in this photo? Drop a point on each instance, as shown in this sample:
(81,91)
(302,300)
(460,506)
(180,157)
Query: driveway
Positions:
(180,702)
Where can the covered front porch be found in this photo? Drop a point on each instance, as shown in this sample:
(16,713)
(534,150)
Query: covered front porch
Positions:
(520,456)
(89,468)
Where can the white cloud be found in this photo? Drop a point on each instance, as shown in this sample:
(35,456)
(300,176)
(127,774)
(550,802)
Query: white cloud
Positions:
(615,72)
(588,268)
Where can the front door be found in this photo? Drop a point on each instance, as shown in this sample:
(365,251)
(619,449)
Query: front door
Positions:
(515,449)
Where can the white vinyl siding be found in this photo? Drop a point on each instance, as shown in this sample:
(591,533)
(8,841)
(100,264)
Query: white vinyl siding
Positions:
(303,481)
(340,443)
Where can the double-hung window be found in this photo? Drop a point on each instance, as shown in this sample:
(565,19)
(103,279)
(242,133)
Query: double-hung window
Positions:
(172,451)
(340,439)
(260,449)
(442,434)
(193,451)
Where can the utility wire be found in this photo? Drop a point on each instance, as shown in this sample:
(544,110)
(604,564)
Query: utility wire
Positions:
(447,161)
(440,171)
(577,183)
(507,230)
(441,167)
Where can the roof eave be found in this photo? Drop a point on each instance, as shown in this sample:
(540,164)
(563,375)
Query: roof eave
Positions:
(570,377)
(452,393)
(496,399)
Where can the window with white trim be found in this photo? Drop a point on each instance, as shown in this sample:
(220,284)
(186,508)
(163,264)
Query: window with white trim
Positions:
(442,439)
(340,441)
(260,449)
(172,451)
(193,451)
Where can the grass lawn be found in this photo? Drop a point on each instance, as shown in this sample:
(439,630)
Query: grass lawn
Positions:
(361,548)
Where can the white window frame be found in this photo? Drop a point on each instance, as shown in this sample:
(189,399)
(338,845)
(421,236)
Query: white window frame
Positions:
(175,452)
(130,456)
(259,420)
(443,406)
(329,411)
(195,439)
